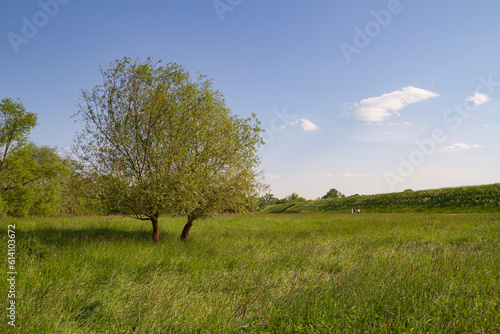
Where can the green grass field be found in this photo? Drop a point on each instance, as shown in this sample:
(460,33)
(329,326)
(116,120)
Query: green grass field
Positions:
(302,273)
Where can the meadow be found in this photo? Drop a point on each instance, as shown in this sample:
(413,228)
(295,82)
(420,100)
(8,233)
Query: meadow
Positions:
(261,273)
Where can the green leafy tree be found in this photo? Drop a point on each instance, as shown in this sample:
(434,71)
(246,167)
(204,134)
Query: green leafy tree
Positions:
(31,176)
(267,199)
(158,142)
(294,197)
(333,193)
(32,179)
(15,126)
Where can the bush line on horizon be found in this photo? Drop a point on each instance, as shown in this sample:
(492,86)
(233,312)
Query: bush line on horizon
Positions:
(484,198)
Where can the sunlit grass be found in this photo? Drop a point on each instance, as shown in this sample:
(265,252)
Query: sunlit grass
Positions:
(263,273)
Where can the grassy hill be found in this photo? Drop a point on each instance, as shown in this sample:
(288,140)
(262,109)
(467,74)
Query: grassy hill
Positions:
(484,198)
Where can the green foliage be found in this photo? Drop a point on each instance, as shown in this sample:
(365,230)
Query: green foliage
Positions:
(3,207)
(15,126)
(32,179)
(333,193)
(454,200)
(302,273)
(293,197)
(267,199)
(80,194)
(156,142)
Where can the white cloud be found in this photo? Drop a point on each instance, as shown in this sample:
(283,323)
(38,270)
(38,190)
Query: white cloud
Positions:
(354,176)
(486,125)
(478,98)
(292,123)
(377,109)
(272,176)
(457,147)
(307,125)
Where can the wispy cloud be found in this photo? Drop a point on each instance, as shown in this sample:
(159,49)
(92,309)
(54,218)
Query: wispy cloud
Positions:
(292,123)
(272,176)
(354,176)
(307,125)
(377,109)
(457,147)
(478,98)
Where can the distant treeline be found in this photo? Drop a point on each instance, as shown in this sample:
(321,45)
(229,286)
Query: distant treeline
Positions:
(484,198)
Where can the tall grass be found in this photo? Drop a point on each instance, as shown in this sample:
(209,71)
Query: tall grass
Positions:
(264,273)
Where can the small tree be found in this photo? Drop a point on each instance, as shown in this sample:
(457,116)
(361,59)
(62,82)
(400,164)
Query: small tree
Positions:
(31,176)
(267,199)
(294,197)
(158,143)
(32,179)
(333,193)
(15,126)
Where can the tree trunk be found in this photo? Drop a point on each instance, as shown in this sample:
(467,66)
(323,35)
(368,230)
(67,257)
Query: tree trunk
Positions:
(187,228)
(156,229)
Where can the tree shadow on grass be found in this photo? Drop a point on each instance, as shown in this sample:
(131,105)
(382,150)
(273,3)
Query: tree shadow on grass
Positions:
(71,237)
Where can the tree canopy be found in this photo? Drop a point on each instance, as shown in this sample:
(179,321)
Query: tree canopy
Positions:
(158,142)
(33,180)
(333,193)
(15,126)
(294,197)
(31,176)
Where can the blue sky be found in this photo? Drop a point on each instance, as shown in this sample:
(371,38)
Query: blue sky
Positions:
(365,97)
